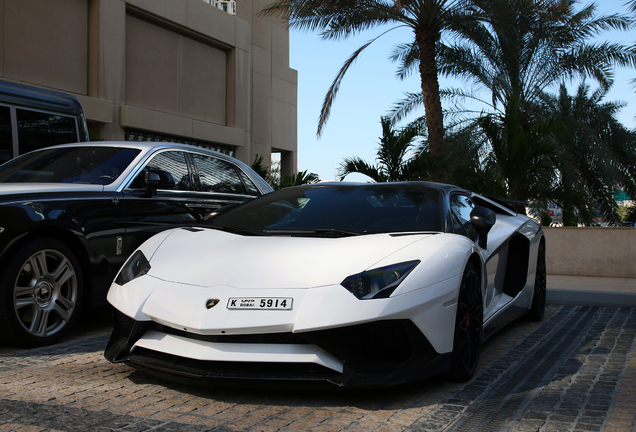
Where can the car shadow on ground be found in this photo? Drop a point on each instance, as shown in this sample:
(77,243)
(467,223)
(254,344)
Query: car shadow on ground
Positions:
(95,322)
(532,356)
(411,394)
(416,394)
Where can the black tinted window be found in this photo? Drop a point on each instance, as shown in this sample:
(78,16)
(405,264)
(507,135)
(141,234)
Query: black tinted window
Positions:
(91,165)
(6,140)
(37,130)
(249,184)
(172,162)
(216,175)
(359,209)
(461,206)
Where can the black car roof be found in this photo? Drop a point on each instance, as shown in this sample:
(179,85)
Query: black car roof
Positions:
(498,206)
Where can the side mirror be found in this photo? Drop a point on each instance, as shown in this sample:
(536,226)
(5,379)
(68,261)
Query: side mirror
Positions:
(158,179)
(482,220)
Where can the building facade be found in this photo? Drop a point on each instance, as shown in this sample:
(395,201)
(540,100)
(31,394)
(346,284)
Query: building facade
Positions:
(179,70)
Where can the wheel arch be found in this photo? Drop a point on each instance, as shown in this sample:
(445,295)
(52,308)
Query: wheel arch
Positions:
(468,329)
(64,235)
(476,260)
(542,241)
(46,316)
(537,305)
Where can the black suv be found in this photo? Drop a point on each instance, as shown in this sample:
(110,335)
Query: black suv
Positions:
(71,214)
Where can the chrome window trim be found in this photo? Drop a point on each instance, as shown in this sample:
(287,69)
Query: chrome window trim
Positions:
(145,156)
(125,183)
(55,199)
(148,149)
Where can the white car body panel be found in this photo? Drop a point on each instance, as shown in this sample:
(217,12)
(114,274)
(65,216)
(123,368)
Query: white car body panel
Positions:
(343,257)
(180,306)
(199,350)
(190,267)
(319,300)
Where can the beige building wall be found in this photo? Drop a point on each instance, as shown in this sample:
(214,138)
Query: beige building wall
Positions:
(601,252)
(179,68)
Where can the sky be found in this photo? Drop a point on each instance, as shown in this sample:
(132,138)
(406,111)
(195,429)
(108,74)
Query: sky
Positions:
(370,89)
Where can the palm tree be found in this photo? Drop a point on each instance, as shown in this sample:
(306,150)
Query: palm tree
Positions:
(507,159)
(428,19)
(514,147)
(576,158)
(301,178)
(524,48)
(597,154)
(394,161)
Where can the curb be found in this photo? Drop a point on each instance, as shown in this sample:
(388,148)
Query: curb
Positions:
(590,298)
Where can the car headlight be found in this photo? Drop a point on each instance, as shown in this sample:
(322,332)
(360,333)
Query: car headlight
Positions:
(137,265)
(378,283)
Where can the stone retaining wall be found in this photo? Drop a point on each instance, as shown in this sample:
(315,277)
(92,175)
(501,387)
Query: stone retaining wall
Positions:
(601,252)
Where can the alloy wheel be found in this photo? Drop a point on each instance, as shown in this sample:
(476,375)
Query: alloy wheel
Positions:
(45,293)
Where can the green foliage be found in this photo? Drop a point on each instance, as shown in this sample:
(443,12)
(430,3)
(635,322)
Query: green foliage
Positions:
(303,177)
(527,143)
(394,162)
(546,219)
(260,169)
(597,155)
(429,21)
(628,213)
(93,135)
(522,49)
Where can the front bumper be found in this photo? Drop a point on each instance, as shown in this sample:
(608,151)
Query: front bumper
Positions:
(370,355)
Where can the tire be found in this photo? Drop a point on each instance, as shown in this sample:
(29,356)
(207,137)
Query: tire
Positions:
(40,294)
(537,309)
(469,327)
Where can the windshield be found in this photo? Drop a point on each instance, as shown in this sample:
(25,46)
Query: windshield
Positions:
(340,210)
(87,165)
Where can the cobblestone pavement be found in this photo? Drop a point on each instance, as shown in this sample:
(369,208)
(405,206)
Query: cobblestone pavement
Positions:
(575,371)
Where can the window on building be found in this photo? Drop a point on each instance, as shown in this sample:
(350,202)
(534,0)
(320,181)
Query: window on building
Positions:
(136,135)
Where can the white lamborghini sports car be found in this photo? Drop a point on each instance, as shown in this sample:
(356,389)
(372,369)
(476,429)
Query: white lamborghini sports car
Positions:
(353,285)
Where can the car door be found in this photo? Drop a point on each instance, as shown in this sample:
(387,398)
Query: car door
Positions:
(461,206)
(221,183)
(151,210)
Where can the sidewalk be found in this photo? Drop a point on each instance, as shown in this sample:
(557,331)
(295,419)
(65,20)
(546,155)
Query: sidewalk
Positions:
(591,291)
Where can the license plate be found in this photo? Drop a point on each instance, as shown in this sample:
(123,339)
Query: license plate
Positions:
(261,303)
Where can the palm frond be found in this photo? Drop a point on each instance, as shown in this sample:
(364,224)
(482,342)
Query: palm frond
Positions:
(358,165)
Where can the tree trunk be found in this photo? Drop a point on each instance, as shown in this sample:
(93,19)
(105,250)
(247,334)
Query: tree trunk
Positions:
(426,40)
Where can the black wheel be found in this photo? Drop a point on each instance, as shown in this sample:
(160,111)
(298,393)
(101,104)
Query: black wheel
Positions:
(537,310)
(469,327)
(40,294)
